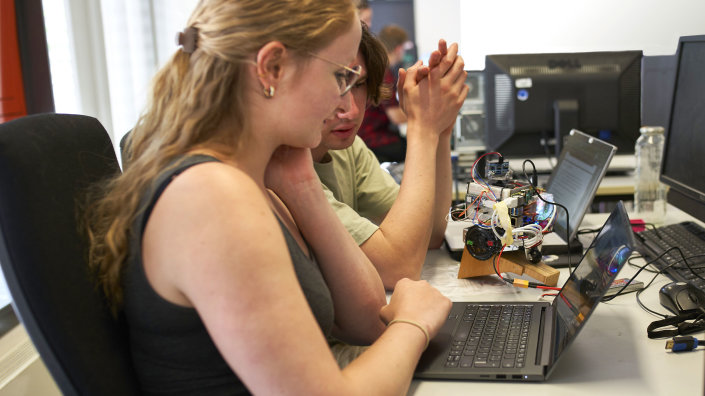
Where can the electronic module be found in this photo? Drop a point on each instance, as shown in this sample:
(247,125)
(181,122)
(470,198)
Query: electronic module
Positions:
(503,213)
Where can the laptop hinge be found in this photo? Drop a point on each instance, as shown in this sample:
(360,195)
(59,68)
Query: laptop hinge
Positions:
(543,348)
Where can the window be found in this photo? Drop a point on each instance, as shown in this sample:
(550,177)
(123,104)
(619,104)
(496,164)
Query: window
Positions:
(102,55)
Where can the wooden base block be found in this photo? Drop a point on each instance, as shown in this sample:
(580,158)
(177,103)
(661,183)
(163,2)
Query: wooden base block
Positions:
(513,262)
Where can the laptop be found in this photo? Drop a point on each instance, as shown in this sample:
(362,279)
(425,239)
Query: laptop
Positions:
(577,175)
(537,333)
(581,167)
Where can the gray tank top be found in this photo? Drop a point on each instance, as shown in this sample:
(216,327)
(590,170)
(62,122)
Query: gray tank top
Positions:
(171,349)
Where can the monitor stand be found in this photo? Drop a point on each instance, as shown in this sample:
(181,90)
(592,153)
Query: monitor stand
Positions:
(565,118)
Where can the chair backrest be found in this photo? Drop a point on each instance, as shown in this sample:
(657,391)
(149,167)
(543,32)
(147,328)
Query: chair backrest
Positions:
(124,147)
(46,163)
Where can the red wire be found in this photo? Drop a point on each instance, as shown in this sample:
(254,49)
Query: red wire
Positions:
(496,267)
(548,288)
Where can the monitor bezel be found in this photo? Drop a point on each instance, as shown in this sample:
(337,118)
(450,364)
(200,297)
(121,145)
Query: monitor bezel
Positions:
(680,195)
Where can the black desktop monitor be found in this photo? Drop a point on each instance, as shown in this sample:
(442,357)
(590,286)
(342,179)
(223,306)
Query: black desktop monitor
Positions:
(534,100)
(658,74)
(682,166)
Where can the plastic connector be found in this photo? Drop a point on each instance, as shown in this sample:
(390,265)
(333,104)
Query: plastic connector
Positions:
(682,343)
(521,283)
(512,202)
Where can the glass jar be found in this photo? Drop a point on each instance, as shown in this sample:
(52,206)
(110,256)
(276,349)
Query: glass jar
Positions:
(649,192)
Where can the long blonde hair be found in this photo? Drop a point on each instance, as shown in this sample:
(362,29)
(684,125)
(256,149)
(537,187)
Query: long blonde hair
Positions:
(190,97)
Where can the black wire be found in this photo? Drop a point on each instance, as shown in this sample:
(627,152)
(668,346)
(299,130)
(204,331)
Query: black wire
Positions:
(685,261)
(656,274)
(641,304)
(589,231)
(629,261)
(680,252)
(654,228)
(532,183)
(496,270)
(546,148)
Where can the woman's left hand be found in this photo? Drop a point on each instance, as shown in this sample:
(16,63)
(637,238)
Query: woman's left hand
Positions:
(290,169)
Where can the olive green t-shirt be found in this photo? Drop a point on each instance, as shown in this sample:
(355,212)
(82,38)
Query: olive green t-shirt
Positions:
(360,191)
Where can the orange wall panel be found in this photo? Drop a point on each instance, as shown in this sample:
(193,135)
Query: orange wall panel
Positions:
(12,96)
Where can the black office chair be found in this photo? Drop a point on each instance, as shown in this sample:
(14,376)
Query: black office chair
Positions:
(46,162)
(124,147)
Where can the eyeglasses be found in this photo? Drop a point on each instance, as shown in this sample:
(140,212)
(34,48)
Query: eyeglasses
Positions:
(346,78)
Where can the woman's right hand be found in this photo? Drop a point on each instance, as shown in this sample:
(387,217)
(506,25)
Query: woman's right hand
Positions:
(433,101)
(417,301)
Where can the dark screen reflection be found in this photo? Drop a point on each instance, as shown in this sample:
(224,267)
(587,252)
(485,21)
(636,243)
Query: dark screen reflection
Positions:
(591,279)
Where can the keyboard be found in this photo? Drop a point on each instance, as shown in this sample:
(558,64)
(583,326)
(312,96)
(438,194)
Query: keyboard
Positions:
(690,238)
(491,336)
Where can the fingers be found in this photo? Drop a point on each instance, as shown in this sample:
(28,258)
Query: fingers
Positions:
(420,70)
(386,313)
(435,59)
(444,57)
(457,73)
(436,56)
(410,74)
(422,73)
(405,77)
(447,61)
(442,47)
(400,88)
(417,301)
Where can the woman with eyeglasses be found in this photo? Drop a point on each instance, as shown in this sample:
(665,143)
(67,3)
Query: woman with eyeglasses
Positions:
(217,242)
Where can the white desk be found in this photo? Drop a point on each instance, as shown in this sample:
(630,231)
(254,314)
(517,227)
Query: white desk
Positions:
(611,355)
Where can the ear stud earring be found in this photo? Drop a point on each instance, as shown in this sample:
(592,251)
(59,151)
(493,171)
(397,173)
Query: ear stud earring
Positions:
(269,92)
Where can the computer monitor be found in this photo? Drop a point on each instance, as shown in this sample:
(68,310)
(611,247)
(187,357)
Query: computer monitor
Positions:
(682,165)
(658,74)
(470,123)
(534,100)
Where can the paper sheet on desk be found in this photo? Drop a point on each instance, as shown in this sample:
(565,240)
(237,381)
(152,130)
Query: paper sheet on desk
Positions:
(441,271)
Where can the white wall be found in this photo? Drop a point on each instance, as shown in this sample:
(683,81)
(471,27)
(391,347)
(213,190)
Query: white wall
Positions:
(436,19)
(520,26)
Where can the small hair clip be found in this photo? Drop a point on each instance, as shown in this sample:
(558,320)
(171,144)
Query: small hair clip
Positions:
(188,39)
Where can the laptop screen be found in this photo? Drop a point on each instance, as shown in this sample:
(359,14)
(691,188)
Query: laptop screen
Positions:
(591,279)
(574,181)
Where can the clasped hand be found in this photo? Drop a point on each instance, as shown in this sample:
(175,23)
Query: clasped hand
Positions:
(432,95)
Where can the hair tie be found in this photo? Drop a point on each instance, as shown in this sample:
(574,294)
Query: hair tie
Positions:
(188,39)
(413,323)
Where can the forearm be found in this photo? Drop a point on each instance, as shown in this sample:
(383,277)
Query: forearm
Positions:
(372,372)
(444,181)
(355,285)
(399,247)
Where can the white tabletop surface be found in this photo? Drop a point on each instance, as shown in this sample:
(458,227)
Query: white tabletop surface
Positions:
(611,355)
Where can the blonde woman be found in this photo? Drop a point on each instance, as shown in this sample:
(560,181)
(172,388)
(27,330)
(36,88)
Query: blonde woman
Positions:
(218,242)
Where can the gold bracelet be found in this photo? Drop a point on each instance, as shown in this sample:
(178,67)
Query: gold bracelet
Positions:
(413,323)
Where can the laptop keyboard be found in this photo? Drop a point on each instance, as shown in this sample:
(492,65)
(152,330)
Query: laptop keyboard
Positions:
(690,238)
(491,336)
